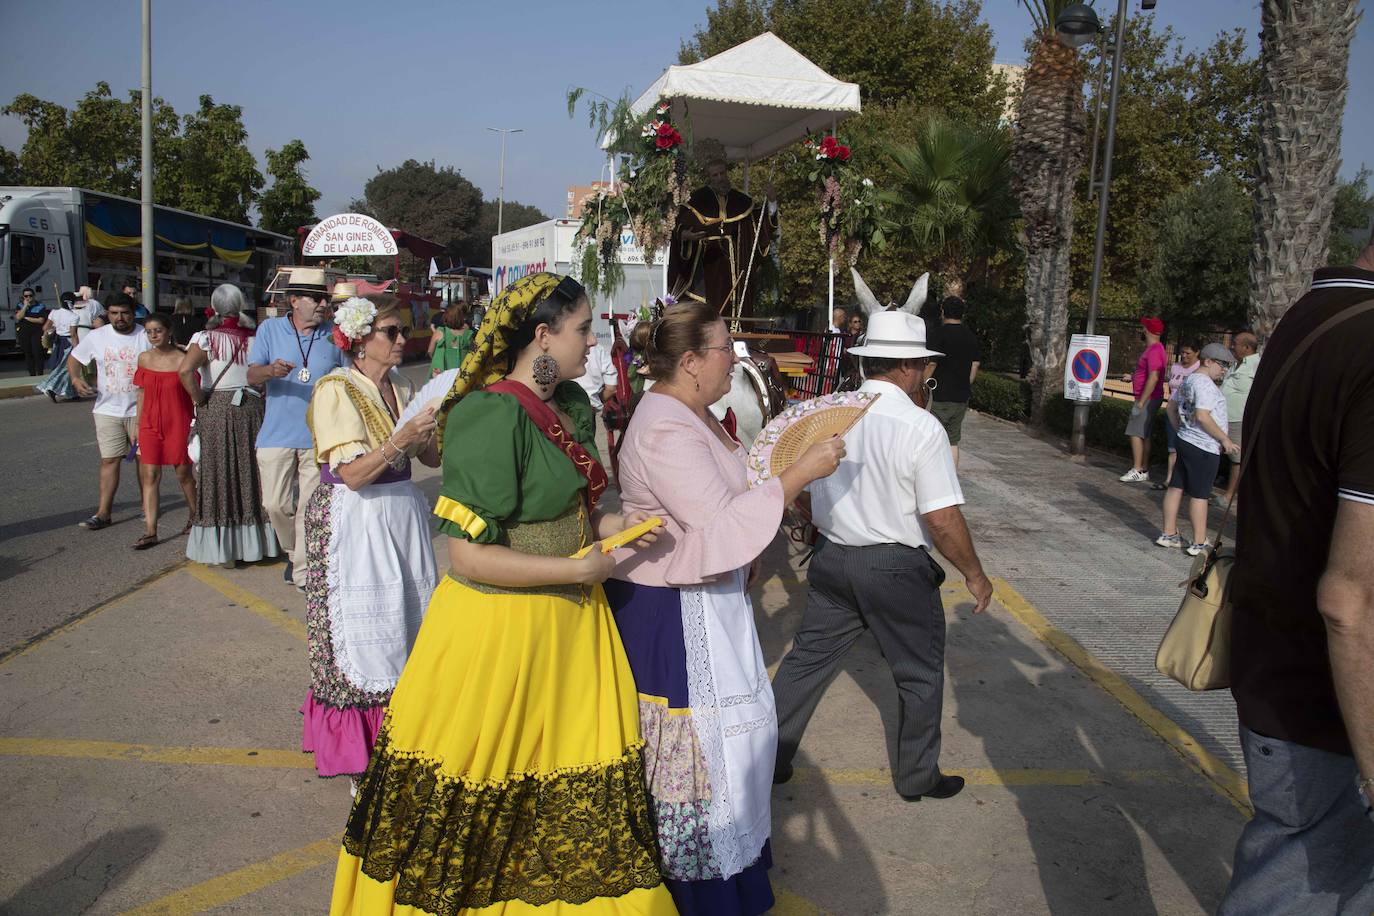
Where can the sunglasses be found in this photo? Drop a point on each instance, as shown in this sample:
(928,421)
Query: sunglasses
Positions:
(395,331)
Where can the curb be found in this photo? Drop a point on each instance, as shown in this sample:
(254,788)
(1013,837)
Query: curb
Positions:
(18,391)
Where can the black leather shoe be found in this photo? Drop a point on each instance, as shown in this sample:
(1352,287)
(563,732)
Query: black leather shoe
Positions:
(288,572)
(781,774)
(946,787)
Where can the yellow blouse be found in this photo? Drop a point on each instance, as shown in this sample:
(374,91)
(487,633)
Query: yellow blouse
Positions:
(347,416)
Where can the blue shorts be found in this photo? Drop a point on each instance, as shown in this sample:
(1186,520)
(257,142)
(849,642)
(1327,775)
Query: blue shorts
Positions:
(1194,470)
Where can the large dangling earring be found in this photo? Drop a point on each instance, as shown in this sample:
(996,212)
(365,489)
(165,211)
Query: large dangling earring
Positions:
(545,370)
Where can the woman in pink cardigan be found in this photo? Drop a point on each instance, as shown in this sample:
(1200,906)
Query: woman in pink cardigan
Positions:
(682,606)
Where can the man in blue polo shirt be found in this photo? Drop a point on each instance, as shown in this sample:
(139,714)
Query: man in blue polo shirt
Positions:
(290,354)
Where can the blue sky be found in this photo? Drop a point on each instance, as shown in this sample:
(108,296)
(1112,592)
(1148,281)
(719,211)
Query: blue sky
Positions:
(373,84)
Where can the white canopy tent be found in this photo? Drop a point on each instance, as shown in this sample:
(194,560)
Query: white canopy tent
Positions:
(755,98)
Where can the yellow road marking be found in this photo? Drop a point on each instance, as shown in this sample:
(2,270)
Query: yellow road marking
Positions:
(1226,780)
(152,753)
(243,881)
(273,757)
(87,615)
(241,596)
(790,903)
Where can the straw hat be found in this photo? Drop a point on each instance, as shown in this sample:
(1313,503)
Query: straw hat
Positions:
(343,290)
(895,335)
(307,281)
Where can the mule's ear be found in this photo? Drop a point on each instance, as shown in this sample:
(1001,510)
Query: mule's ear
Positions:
(918,295)
(867,301)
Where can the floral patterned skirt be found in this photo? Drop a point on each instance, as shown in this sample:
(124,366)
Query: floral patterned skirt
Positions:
(369,575)
(710,734)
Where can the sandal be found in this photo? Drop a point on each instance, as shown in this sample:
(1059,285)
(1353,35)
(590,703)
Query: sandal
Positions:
(190,523)
(95,523)
(143,543)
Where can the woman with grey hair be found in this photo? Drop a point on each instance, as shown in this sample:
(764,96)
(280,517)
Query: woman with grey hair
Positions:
(228,524)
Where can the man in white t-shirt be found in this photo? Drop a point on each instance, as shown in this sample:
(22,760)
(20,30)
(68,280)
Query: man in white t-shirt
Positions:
(894,496)
(600,379)
(115,348)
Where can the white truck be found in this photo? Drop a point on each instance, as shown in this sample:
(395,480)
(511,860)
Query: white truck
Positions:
(549,246)
(58,239)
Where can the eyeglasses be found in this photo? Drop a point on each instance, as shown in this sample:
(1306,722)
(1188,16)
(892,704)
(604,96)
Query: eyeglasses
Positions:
(394,331)
(728,348)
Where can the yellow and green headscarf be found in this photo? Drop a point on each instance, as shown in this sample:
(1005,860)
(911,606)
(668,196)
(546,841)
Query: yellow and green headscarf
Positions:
(486,362)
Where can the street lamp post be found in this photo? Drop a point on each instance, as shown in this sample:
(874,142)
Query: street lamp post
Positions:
(1077,25)
(501,190)
(149,259)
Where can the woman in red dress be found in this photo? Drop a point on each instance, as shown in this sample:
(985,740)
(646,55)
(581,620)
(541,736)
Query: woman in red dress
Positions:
(164,424)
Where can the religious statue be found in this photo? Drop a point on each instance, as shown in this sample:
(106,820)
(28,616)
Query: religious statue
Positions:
(720,240)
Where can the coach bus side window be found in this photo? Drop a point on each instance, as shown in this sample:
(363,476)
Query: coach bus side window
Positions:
(26,256)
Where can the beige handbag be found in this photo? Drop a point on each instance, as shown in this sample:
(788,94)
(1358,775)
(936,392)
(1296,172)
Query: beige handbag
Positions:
(1196,649)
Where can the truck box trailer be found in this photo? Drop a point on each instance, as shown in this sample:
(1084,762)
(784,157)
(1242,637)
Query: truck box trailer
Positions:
(549,246)
(58,239)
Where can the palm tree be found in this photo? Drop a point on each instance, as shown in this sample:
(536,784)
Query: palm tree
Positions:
(1304,48)
(1047,155)
(952,195)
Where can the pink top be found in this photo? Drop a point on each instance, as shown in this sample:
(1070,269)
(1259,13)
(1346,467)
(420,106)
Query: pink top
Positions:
(673,465)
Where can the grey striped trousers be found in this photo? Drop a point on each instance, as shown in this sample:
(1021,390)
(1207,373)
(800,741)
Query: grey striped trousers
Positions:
(893,590)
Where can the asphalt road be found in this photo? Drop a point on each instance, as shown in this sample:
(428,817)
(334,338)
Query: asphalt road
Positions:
(51,571)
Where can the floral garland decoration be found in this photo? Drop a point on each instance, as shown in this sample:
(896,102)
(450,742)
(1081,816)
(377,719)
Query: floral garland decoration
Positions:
(849,213)
(646,201)
(353,321)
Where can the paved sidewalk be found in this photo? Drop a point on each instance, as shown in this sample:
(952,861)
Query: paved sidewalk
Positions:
(149,763)
(1079,545)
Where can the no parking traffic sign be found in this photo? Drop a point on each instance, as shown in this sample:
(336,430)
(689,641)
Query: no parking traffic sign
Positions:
(1086,368)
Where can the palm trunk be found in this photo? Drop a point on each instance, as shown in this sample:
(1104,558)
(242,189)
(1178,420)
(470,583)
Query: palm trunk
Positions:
(1304,48)
(1047,155)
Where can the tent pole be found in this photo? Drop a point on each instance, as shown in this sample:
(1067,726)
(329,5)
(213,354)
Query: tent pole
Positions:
(832,292)
(746,176)
(834,122)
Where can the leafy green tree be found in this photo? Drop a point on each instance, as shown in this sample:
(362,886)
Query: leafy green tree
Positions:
(952,195)
(98,145)
(10,173)
(219,176)
(1199,268)
(1181,115)
(476,252)
(290,202)
(433,202)
(1350,219)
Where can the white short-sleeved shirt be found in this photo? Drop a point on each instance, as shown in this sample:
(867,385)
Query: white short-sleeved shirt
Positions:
(116,361)
(62,321)
(897,467)
(1201,393)
(87,312)
(601,371)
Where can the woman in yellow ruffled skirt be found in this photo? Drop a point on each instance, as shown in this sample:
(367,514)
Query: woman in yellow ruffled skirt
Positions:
(508,771)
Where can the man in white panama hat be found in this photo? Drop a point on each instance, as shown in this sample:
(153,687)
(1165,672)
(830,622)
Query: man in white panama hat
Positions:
(894,496)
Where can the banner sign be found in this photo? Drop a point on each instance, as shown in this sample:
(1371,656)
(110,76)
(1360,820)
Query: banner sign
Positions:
(346,234)
(1085,371)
